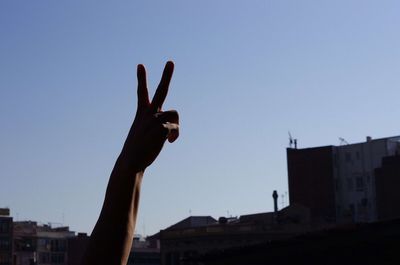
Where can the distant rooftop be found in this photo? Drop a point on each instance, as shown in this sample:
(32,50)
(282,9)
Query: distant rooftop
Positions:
(4,211)
(193,221)
(369,139)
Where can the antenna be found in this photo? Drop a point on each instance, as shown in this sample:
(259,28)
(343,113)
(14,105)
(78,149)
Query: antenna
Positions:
(290,140)
(343,141)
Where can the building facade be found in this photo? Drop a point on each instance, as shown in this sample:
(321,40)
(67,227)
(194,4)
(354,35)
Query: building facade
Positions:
(76,248)
(387,185)
(311,181)
(40,244)
(6,236)
(338,183)
(199,235)
(144,251)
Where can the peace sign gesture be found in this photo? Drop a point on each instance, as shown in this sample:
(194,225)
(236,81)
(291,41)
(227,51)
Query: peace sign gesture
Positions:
(152,126)
(111,239)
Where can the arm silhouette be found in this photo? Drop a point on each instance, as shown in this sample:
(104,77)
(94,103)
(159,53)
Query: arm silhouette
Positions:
(111,240)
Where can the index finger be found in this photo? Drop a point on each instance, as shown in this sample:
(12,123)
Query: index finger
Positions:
(142,93)
(162,89)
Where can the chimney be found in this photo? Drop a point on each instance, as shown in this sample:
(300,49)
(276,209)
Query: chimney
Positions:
(369,139)
(5,211)
(275,196)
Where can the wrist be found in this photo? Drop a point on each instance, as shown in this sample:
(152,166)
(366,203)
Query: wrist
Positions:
(128,164)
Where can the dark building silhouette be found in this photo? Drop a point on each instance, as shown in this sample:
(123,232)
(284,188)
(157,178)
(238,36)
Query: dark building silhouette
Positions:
(387,184)
(144,256)
(76,248)
(336,193)
(6,237)
(198,235)
(145,251)
(352,244)
(346,183)
(311,181)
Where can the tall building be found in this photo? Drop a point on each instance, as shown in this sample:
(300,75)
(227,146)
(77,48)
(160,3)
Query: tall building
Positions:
(338,183)
(387,184)
(6,236)
(311,181)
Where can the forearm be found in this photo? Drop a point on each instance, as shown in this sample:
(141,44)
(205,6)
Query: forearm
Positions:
(111,239)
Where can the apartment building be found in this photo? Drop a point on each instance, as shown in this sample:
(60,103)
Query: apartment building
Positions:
(338,183)
(40,244)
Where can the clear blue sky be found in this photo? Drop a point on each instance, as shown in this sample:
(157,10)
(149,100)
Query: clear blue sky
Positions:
(247,72)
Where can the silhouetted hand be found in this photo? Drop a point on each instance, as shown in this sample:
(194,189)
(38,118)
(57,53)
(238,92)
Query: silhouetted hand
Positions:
(152,126)
(111,239)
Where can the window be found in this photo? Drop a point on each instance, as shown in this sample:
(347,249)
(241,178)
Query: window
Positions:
(4,227)
(168,258)
(352,209)
(349,184)
(44,257)
(337,184)
(347,157)
(58,245)
(5,259)
(25,244)
(359,207)
(4,243)
(336,160)
(57,258)
(44,243)
(364,202)
(359,183)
